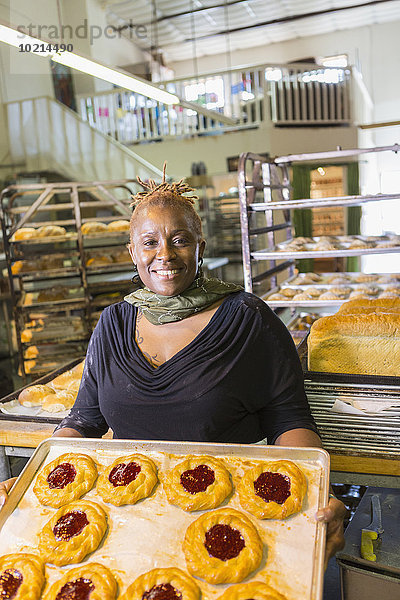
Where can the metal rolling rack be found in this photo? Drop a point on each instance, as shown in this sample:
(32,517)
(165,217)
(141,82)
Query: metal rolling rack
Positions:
(264,190)
(68,204)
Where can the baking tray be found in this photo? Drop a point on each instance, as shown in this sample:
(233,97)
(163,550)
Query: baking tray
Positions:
(352,275)
(32,416)
(293,562)
(315,302)
(74,299)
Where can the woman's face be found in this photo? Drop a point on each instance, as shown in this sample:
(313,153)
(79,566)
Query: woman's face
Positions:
(165,249)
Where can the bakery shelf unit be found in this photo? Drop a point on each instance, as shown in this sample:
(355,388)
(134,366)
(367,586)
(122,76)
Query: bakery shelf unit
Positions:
(60,274)
(269,251)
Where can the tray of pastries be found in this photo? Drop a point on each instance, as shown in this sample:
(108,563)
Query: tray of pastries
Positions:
(50,396)
(332,289)
(43,235)
(55,295)
(331,246)
(138,519)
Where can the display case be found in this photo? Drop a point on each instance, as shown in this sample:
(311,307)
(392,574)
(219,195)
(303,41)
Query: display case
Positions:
(264,192)
(61,271)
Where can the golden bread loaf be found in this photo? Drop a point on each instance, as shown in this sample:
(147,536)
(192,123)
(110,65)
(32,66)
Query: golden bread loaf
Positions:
(369,305)
(121,225)
(34,395)
(50,231)
(24,233)
(99,260)
(93,227)
(367,344)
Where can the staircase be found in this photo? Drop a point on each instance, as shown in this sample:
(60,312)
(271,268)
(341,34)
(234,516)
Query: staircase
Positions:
(45,135)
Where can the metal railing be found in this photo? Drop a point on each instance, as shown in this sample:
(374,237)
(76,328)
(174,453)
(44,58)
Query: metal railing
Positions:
(300,94)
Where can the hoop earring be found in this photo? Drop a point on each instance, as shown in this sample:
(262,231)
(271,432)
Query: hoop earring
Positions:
(136,278)
(200,272)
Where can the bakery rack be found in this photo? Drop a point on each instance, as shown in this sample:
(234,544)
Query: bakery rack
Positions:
(264,193)
(46,265)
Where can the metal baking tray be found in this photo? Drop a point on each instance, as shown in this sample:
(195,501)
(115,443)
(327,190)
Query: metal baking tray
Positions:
(295,547)
(352,275)
(315,302)
(42,380)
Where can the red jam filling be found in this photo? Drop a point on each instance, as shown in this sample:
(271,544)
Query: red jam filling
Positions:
(70,524)
(272,487)
(61,476)
(79,589)
(163,591)
(10,580)
(198,479)
(123,474)
(224,542)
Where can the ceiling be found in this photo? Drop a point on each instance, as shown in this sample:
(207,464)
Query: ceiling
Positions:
(180,35)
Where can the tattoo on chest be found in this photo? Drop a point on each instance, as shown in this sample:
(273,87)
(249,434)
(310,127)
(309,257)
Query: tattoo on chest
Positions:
(153,360)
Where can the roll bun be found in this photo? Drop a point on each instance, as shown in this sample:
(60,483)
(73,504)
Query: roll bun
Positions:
(93,227)
(121,225)
(34,395)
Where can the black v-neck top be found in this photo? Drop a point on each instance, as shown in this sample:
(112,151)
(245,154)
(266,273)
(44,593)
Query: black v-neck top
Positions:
(239,380)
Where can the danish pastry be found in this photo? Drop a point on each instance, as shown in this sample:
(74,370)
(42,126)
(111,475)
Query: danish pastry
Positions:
(65,479)
(21,576)
(197,483)
(255,590)
(273,490)
(92,580)
(160,584)
(72,533)
(222,546)
(127,480)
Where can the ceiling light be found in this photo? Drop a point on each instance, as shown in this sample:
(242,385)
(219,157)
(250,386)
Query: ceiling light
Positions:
(13,37)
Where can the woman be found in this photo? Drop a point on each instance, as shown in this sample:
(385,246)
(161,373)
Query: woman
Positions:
(188,358)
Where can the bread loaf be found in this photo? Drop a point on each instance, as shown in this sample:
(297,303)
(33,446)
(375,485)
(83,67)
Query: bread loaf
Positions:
(365,305)
(93,227)
(366,344)
(24,233)
(34,395)
(121,225)
(50,231)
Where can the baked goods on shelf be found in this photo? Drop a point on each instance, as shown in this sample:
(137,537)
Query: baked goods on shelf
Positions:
(122,256)
(370,305)
(65,479)
(50,231)
(93,227)
(53,294)
(127,480)
(21,576)
(92,580)
(99,260)
(64,380)
(256,590)
(273,490)
(366,343)
(24,233)
(198,483)
(34,395)
(120,225)
(168,584)
(222,546)
(73,532)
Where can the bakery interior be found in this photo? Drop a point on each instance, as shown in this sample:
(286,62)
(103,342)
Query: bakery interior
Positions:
(285,118)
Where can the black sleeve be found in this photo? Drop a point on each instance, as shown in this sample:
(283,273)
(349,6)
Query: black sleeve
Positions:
(278,395)
(85,416)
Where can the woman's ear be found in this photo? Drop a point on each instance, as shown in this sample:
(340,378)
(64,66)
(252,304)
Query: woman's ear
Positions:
(202,245)
(131,251)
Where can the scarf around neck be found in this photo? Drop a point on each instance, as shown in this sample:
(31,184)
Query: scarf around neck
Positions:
(199,295)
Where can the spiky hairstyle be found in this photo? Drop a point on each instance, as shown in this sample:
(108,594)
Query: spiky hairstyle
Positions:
(166,194)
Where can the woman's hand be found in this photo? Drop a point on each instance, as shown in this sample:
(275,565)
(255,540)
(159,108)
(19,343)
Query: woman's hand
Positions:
(5,487)
(334,515)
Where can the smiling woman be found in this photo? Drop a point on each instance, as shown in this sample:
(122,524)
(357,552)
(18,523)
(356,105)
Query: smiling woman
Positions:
(188,358)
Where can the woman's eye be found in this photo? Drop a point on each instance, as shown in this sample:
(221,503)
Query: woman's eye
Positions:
(149,242)
(180,241)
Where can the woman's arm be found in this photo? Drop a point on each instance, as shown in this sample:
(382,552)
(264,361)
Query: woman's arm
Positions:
(67,432)
(333,514)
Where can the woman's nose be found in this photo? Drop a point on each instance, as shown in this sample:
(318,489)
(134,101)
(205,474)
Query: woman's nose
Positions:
(165,251)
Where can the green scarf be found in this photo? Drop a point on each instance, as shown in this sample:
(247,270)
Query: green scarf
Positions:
(160,309)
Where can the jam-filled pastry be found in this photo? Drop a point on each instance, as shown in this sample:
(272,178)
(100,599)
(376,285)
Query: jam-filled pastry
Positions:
(255,590)
(91,581)
(72,533)
(273,490)
(197,483)
(163,584)
(127,480)
(222,546)
(21,577)
(65,479)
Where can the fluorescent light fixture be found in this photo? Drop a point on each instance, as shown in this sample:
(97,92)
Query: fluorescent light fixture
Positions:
(85,65)
(13,37)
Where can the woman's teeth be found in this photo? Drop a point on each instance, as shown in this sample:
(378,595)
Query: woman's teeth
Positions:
(172,272)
